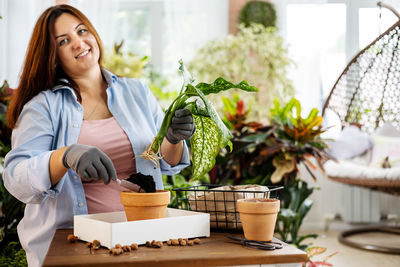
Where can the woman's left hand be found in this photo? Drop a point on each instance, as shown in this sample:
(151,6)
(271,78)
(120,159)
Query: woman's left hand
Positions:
(182,126)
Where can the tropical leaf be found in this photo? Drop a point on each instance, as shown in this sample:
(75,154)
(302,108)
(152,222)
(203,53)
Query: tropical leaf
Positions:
(224,135)
(282,166)
(313,113)
(229,105)
(221,84)
(204,145)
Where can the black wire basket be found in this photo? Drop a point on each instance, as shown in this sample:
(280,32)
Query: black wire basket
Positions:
(220,201)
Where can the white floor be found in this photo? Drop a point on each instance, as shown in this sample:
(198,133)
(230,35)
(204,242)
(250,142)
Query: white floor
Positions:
(352,257)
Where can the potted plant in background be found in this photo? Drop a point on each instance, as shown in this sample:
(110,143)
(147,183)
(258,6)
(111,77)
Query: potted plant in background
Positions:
(12,210)
(258,12)
(270,155)
(256,54)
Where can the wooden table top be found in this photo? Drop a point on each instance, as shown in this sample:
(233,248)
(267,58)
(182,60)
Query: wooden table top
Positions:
(216,250)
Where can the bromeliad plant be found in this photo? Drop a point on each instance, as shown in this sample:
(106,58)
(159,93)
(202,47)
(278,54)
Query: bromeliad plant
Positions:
(269,155)
(293,140)
(211,133)
(296,140)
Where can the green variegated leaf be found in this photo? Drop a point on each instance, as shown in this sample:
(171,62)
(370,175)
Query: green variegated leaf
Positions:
(221,84)
(196,109)
(186,75)
(224,135)
(211,133)
(204,145)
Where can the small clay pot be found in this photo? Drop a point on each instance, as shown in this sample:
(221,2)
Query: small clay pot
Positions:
(144,206)
(258,217)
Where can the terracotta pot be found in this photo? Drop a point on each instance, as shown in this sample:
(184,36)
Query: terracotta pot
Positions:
(258,217)
(144,206)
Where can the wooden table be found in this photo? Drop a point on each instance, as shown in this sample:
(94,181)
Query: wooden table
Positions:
(216,250)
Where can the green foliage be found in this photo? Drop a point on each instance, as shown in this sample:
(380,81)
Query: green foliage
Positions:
(12,210)
(270,152)
(256,54)
(13,256)
(296,205)
(211,133)
(124,64)
(258,12)
(5,132)
(269,155)
(298,137)
(179,199)
(294,126)
(177,181)
(234,113)
(130,65)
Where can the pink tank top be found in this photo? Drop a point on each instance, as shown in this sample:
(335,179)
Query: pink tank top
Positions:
(108,136)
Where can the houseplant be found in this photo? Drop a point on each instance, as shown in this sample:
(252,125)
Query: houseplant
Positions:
(258,12)
(256,54)
(12,210)
(269,155)
(211,134)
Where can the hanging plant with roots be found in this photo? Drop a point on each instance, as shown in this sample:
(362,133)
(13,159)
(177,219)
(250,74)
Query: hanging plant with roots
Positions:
(211,133)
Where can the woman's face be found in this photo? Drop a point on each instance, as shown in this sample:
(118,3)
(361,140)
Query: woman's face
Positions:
(77,49)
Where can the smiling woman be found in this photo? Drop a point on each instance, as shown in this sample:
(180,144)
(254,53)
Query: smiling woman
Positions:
(78,54)
(76,129)
(77,47)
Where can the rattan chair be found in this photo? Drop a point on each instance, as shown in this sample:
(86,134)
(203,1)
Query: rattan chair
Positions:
(367,94)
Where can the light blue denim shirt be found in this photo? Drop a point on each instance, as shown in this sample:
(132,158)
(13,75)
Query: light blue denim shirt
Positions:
(52,120)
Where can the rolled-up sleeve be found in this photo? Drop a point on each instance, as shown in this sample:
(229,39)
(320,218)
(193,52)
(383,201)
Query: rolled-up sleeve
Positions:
(26,167)
(167,169)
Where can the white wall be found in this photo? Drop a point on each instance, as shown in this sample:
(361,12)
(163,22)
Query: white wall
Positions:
(15,31)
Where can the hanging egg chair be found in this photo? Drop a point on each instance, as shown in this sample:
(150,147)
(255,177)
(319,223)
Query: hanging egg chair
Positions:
(367,94)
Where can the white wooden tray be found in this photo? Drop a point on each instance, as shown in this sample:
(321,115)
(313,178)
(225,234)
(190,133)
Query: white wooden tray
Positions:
(112,228)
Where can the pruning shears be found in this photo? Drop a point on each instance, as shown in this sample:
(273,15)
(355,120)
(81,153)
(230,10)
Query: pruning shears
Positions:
(264,245)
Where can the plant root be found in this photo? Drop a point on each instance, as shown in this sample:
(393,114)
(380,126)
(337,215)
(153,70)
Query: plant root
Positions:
(149,154)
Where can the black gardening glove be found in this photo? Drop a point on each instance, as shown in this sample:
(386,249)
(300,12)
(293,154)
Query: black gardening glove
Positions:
(182,126)
(89,162)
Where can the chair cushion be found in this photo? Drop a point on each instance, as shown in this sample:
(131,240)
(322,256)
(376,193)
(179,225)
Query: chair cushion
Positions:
(385,147)
(349,169)
(351,142)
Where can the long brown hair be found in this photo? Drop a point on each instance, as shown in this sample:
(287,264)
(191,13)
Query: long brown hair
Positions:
(41,71)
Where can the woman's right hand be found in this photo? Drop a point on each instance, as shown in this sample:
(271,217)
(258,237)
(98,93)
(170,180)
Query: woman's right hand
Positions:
(89,162)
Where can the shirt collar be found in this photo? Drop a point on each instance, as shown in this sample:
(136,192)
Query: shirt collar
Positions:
(109,76)
(63,83)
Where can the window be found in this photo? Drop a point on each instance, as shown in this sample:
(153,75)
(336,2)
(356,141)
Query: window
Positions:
(373,22)
(323,36)
(140,26)
(317,45)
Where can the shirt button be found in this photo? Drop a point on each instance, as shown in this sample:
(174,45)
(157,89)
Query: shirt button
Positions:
(75,125)
(79,108)
(76,177)
(80,204)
